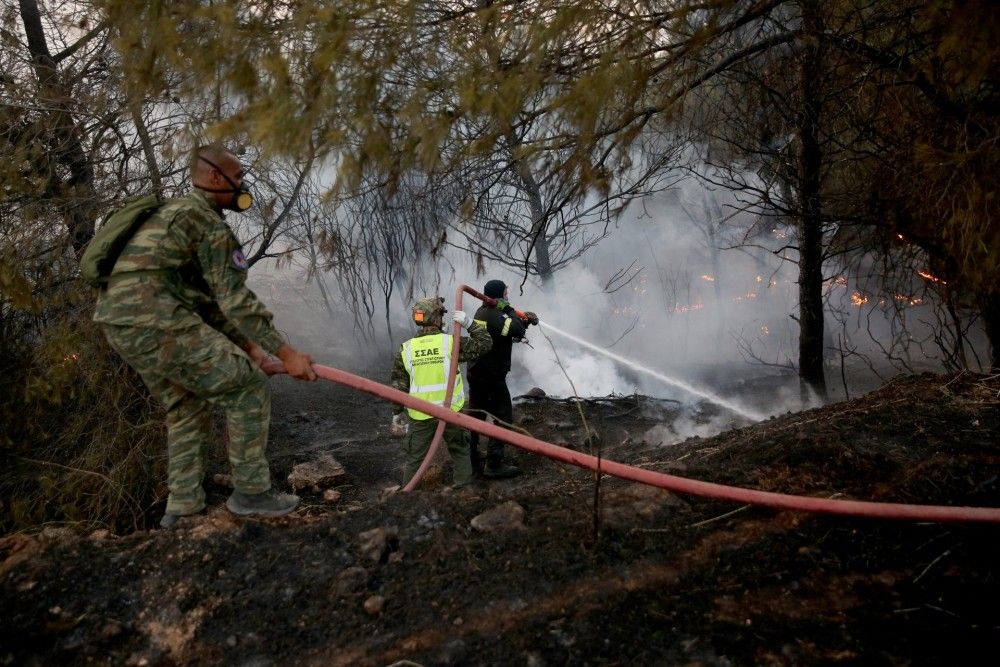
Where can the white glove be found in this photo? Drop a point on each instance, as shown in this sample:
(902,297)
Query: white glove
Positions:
(462,318)
(400,426)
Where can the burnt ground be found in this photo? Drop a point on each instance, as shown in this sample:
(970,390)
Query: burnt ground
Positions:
(639,576)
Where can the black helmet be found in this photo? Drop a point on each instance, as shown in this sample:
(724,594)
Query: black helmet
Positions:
(495,289)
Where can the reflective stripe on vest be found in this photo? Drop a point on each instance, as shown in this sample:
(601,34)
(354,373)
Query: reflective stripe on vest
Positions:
(427,359)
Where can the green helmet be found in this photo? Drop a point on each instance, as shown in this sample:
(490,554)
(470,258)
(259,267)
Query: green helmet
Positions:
(429,311)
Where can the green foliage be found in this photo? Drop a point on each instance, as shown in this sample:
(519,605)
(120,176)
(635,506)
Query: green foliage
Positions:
(384,84)
(939,171)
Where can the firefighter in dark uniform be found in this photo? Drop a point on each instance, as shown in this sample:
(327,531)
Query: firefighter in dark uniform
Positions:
(488,393)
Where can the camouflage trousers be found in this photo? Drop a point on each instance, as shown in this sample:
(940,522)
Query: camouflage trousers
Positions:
(190,372)
(419,441)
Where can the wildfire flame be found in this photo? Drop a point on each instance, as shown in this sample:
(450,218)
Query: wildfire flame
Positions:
(707,277)
(764,330)
(859,299)
(930,277)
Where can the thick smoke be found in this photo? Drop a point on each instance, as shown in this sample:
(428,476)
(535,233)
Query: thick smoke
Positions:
(675,309)
(670,289)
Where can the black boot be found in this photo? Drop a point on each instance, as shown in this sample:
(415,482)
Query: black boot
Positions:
(477,461)
(500,470)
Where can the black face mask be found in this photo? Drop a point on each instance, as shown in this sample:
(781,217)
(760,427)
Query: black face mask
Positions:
(242,199)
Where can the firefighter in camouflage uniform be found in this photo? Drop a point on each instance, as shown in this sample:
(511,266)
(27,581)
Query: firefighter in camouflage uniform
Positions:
(177,308)
(421,369)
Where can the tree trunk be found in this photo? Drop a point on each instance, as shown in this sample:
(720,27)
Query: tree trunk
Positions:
(810,222)
(147,146)
(714,214)
(64,132)
(539,239)
(989,307)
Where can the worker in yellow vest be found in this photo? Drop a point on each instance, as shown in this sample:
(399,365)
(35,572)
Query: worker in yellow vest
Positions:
(420,369)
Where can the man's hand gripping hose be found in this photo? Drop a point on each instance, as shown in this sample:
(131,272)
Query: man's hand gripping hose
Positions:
(299,365)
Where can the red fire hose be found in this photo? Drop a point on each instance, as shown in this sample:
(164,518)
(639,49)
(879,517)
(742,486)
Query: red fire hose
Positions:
(898,511)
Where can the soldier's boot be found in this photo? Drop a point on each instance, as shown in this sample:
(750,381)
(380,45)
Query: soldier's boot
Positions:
(478,461)
(500,470)
(268,503)
(169,519)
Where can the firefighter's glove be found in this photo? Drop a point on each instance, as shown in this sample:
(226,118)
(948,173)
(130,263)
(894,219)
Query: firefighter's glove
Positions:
(400,426)
(463,318)
(531,318)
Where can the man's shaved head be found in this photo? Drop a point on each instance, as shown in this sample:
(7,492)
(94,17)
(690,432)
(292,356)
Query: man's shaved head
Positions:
(219,174)
(214,153)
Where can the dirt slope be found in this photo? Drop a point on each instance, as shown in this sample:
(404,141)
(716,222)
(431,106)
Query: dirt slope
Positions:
(658,579)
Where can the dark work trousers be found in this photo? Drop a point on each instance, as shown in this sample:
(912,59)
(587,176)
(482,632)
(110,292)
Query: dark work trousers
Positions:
(488,395)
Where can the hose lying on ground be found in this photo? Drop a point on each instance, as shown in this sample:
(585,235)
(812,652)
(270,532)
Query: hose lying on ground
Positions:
(937,513)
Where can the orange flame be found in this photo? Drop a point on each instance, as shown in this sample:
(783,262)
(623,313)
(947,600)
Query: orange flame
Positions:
(930,277)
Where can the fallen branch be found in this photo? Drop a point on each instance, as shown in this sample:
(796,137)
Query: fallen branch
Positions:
(930,565)
(718,518)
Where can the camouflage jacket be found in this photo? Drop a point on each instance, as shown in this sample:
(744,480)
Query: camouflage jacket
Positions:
(184,267)
(470,347)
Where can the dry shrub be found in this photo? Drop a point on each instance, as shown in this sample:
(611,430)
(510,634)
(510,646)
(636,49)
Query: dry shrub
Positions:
(82,441)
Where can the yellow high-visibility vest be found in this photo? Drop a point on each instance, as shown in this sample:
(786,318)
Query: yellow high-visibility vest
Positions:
(427,360)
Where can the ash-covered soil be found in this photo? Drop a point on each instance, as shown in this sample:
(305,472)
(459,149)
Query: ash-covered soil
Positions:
(571,572)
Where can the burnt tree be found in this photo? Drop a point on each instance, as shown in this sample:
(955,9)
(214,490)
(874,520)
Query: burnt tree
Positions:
(810,219)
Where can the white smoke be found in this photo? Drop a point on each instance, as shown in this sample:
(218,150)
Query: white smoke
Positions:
(661,313)
(688,305)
